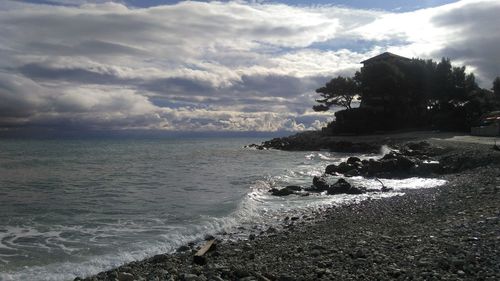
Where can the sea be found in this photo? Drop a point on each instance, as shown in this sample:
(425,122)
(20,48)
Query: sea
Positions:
(75,207)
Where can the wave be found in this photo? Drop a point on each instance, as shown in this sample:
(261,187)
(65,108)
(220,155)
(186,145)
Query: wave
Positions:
(255,211)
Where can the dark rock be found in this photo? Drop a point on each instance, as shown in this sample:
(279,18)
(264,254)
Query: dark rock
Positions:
(200,260)
(341,186)
(271,230)
(331,169)
(125,276)
(320,183)
(190,277)
(427,168)
(281,192)
(344,167)
(294,187)
(404,163)
(291,189)
(352,173)
(183,248)
(209,237)
(418,145)
(163,258)
(240,272)
(353,160)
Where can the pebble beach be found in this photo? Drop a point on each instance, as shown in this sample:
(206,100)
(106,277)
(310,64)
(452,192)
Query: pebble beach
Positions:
(447,233)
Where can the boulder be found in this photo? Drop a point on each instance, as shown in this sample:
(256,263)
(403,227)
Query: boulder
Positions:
(352,173)
(343,187)
(294,187)
(290,189)
(281,192)
(344,167)
(320,184)
(353,160)
(331,169)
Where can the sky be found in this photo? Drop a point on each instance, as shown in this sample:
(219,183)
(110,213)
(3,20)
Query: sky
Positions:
(206,66)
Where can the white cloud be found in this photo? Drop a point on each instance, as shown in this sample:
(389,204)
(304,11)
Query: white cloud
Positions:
(211,65)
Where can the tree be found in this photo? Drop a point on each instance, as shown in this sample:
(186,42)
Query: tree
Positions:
(496,87)
(339,91)
(382,83)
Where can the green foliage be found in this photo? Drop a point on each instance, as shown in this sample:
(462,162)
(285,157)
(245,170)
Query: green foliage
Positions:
(339,91)
(496,87)
(409,93)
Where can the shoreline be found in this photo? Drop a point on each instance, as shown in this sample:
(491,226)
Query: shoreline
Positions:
(449,232)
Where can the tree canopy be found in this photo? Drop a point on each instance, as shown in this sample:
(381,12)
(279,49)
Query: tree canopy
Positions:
(340,91)
(408,94)
(496,87)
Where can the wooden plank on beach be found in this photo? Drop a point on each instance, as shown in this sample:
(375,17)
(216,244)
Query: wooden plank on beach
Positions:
(205,248)
(198,257)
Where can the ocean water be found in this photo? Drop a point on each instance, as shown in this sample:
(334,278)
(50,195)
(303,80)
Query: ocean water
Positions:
(76,207)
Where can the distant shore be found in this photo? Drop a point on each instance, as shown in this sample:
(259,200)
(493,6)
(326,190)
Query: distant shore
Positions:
(445,233)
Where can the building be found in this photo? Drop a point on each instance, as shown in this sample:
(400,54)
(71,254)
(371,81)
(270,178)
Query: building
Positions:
(381,101)
(384,57)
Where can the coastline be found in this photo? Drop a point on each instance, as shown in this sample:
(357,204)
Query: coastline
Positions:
(449,232)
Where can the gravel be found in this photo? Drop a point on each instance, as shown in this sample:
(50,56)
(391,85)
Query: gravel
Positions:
(447,233)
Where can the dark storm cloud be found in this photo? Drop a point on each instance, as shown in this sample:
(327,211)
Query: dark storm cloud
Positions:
(19,97)
(253,93)
(85,48)
(476,39)
(208,65)
(274,85)
(78,75)
(179,85)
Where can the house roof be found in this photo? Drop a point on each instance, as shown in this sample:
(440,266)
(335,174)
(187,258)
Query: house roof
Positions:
(383,56)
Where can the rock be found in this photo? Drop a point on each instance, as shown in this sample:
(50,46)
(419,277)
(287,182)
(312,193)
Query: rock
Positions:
(190,277)
(331,169)
(315,253)
(404,163)
(291,189)
(281,192)
(345,167)
(352,173)
(125,276)
(286,277)
(200,260)
(427,168)
(343,187)
(353,160)
(356,190)
(271,230)
(320,183)
(294,187)
(209,237)
(418,145)
(183,248)
(240,272)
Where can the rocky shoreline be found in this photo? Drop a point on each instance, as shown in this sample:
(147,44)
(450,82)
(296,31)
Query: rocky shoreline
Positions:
(447,233)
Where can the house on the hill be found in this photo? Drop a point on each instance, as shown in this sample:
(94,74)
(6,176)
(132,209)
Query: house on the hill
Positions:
(384,57)
(384,104)
(380,101)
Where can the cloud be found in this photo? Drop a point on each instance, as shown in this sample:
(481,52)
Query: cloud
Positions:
(201,66)
(479,49)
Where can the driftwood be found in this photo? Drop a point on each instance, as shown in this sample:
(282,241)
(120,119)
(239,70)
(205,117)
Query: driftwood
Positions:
(384,188)
(198,257)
